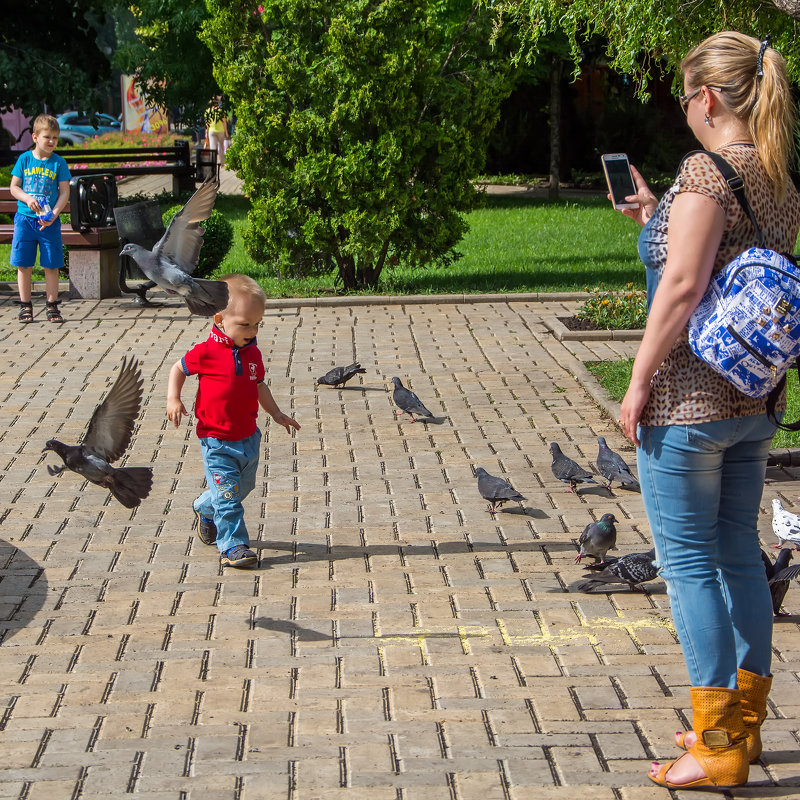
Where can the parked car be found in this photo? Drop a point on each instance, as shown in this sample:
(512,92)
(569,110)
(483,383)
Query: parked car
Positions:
(76,127)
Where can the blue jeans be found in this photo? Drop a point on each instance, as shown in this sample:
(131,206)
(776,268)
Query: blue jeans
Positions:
(701,486)
(230,469)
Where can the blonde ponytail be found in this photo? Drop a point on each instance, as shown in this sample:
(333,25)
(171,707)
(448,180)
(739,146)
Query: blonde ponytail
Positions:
(730,60)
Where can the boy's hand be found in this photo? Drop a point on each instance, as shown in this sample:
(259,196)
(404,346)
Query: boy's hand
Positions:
(43,225)
(287,421)
(176,410)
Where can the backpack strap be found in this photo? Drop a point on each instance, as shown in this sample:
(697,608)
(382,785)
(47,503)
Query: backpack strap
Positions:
(736,184)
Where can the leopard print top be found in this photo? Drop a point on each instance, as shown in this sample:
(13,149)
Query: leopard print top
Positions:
(685,390)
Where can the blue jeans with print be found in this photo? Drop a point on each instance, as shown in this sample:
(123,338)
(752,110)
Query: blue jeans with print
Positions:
(701,486)
(230,469)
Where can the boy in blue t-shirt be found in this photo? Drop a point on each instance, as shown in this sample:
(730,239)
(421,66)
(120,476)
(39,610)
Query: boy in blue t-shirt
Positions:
(38,176)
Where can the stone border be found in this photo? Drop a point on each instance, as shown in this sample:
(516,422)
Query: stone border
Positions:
(423,299)
(562,333)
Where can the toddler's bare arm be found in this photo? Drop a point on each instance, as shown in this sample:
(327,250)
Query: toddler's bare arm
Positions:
(175,407)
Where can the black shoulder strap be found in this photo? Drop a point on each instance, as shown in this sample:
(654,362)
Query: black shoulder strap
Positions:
(736,184)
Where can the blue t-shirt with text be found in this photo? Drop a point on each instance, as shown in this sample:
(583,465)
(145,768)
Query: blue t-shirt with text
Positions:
(40,179)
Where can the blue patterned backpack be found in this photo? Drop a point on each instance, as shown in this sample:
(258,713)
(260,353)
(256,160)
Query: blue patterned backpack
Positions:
(747,326)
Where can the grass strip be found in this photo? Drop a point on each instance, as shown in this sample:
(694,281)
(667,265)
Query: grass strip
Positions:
(614,377)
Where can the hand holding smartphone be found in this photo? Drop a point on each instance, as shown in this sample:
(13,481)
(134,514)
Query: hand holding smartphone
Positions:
(619,178)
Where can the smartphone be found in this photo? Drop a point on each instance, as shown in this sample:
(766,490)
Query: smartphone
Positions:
(619,178)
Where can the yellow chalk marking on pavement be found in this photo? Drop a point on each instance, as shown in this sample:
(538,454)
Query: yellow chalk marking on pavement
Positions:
(586,631)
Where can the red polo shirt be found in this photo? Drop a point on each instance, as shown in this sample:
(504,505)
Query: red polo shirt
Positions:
(227,395)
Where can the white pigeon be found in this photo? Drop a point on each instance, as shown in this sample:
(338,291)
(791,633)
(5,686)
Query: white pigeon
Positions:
(785,525)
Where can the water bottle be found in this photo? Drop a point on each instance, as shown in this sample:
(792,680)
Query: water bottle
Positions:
(45,212)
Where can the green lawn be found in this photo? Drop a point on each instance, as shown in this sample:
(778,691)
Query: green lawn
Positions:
(514,245)
(614,377)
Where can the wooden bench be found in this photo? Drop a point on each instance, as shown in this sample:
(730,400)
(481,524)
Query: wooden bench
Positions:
(174,159)
(93,254)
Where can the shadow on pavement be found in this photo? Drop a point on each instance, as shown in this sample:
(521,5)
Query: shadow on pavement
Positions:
(23,589)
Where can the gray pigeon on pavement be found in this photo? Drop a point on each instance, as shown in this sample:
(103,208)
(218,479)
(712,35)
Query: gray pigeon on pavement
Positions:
(175,255)
(779,575)
(338,376)
(785,525)
(598,538)
(567,470)
(496,490)
(408,402)
(612,467)
(633,569)
(108,436)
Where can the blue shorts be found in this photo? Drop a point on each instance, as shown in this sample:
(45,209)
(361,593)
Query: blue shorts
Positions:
(26,238)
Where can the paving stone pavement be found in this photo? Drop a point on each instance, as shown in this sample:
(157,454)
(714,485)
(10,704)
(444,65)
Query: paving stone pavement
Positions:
(395,640)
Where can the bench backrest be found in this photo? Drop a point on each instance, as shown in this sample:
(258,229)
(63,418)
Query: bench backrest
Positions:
(175,158)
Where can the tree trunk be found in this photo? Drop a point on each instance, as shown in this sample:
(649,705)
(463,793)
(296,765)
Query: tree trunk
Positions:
(556,68)
(790,7)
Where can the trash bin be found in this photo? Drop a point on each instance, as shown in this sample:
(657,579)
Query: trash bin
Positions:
(205,164)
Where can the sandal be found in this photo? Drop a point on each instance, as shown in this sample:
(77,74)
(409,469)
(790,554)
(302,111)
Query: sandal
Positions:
(26,311)
(53,314)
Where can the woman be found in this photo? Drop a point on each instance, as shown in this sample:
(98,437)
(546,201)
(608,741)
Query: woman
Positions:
(702,445)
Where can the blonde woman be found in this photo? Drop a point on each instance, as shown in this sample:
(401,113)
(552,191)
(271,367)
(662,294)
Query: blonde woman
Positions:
(701,444)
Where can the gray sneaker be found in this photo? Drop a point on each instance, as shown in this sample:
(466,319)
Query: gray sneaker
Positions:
(239,556)
(206,529)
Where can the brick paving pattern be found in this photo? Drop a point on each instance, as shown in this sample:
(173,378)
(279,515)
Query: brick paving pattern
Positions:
(395,640)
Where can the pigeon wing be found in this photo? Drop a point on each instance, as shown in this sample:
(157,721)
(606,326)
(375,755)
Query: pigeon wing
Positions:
(786,574)
(111,426)
(184,237)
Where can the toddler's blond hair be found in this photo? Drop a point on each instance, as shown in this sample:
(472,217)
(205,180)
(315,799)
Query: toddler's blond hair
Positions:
(243,286)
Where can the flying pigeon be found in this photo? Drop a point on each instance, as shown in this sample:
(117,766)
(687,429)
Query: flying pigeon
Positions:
(496,490)
(568,471)
(408,402)
(612,467)
(785,525)
(339,376)
(633,569)
(598,538)
(779,574)
(174,256)
(106,439)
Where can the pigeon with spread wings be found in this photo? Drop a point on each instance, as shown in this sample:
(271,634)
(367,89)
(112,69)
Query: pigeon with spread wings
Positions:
(175,255)
(107,438)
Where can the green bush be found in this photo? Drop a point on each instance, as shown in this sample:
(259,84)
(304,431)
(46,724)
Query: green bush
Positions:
(615,310)
(217,240)
(359,127)
(5,175)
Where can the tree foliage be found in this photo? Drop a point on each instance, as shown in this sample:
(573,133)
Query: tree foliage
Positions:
(644,36)
(54,55)
(173,67)
(359,126)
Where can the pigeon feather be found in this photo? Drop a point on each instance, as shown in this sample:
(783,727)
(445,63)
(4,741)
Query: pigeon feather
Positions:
(785,525)
(633,569)
(175,256)
(612,466)
(107,437)
(567,470)
(598,538)
(496,490)
(408,402)
(338,376)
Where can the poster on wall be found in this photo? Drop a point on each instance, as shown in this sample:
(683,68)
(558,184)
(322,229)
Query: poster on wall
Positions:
(137,116)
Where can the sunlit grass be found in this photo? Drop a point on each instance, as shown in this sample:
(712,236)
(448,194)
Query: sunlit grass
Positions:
(514,245)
